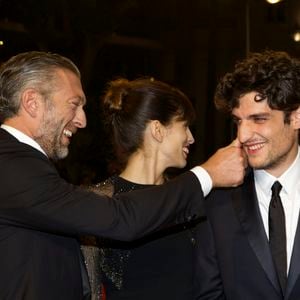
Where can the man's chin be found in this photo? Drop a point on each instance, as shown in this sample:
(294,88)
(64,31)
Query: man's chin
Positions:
(60,154)
(258,166)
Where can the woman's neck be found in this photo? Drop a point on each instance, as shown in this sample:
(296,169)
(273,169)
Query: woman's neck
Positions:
(143,170)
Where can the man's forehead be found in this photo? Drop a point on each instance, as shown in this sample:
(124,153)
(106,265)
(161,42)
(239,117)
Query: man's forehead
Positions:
(252,98)
(248,104)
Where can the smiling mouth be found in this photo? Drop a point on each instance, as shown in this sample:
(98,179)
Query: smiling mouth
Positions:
(186,150)
(67,133)
(255,147)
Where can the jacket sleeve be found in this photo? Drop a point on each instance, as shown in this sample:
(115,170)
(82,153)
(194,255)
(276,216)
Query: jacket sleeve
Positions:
(34,196)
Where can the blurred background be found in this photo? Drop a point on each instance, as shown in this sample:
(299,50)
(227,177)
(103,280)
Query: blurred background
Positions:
(187,43)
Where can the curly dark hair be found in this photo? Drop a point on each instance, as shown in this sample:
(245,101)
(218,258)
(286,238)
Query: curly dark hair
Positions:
(273,74)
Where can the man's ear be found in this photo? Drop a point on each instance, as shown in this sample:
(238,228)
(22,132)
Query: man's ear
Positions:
(295,118)
(157,130)
(30,102)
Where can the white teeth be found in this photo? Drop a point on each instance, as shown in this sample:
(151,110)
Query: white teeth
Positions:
(186,150)
(255,147)
(67,132)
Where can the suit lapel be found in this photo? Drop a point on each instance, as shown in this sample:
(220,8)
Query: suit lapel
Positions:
(294,271)
(246,206)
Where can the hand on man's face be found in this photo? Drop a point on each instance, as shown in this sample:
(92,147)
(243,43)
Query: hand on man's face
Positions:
(227,166)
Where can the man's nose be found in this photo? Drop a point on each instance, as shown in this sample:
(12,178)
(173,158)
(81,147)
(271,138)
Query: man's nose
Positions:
(244,131)
(80,118)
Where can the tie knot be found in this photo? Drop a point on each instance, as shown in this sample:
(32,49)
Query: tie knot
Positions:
(276,188)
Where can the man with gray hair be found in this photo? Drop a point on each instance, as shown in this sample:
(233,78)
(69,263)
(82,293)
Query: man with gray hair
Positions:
(41,215)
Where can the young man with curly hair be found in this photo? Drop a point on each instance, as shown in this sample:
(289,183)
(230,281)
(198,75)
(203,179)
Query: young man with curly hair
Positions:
(252,242)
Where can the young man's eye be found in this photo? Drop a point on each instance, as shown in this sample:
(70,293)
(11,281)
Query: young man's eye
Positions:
(236,121)
(260,119)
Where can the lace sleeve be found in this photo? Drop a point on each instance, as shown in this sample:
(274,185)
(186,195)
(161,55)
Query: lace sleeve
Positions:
(90,250)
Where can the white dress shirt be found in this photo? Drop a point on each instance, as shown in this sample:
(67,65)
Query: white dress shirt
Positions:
(204,178)
(290,198)
(23,138)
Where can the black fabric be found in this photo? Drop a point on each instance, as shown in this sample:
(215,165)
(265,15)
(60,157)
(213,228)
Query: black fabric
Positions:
(158,266)
(234,260)
(41,217)
(277,235)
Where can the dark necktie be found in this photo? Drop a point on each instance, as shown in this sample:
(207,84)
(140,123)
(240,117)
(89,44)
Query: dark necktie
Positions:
(277,236)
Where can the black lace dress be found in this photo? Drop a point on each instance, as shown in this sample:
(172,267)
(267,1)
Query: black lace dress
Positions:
(158,266)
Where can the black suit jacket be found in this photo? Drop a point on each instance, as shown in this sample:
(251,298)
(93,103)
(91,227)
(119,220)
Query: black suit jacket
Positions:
(41,217)
(235,262)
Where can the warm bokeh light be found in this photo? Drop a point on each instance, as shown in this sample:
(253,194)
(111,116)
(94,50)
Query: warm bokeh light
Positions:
(1,43)
(296,36)
(273,1)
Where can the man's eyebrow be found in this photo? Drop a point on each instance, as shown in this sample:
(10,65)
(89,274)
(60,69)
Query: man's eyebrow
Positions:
(253,116)
(81,99)
(263,114)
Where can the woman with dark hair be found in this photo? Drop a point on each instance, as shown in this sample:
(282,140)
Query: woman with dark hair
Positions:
(149,123)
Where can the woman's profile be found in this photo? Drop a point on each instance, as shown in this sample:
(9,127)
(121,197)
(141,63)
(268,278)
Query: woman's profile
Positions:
(149,123)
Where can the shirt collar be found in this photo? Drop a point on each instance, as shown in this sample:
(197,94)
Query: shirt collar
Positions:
(23,138)
(289,179)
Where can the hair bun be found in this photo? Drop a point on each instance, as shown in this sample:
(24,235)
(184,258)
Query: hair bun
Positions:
(115,93)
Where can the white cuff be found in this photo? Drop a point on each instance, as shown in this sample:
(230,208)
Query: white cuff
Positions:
(204,178)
